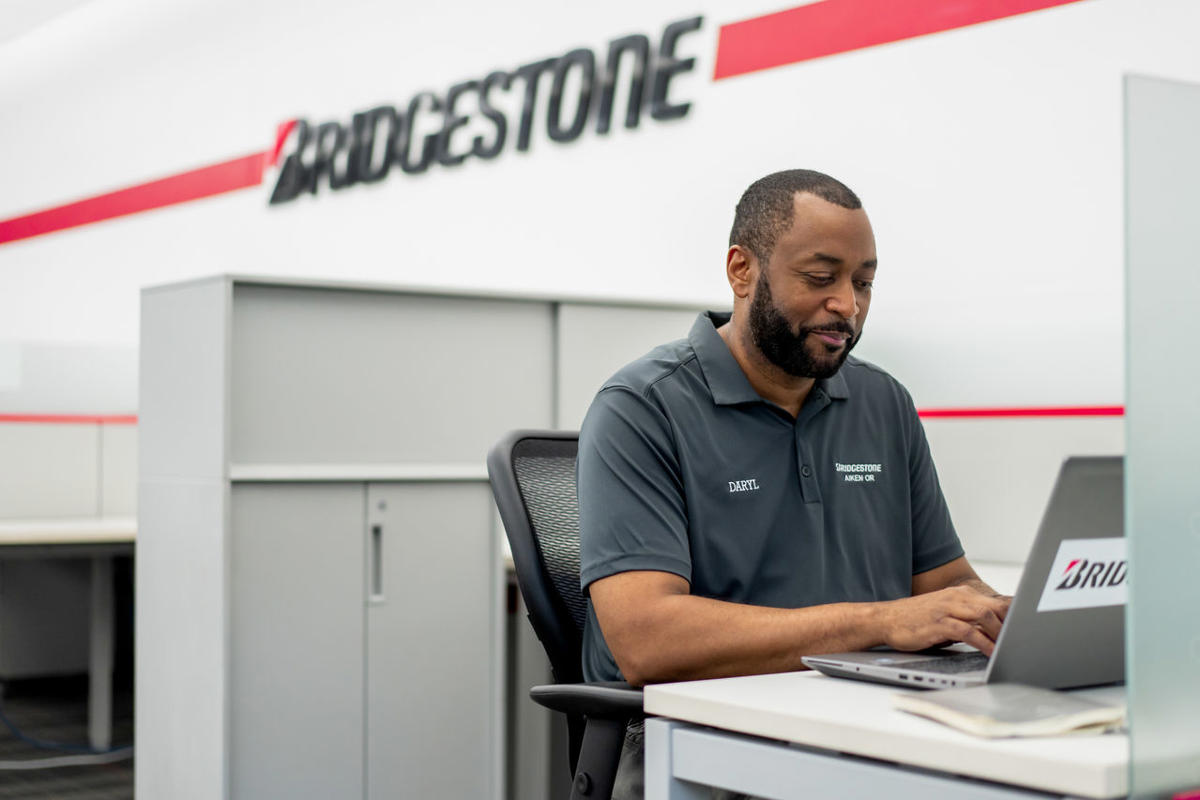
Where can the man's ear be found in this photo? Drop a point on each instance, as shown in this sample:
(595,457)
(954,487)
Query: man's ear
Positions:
(741,268)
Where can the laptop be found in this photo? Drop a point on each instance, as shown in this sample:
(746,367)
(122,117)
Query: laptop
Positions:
(1066,625)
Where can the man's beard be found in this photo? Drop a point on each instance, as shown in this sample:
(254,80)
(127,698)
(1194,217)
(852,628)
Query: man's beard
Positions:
(789,351)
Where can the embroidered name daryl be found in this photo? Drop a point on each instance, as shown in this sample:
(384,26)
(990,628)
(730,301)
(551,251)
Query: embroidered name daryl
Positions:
(858,473)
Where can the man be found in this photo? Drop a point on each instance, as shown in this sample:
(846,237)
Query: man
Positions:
(751,495)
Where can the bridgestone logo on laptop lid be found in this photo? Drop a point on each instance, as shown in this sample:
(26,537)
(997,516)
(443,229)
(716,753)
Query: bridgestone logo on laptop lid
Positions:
(1087,573)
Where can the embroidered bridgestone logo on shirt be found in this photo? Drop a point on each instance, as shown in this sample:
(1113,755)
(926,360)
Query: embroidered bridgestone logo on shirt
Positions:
(748,485)
(858,473)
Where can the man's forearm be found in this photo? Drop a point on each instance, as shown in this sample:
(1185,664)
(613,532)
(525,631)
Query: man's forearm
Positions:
(658,631)
(697,637)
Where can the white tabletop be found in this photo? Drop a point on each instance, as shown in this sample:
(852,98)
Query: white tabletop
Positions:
(855,717)
(83,530)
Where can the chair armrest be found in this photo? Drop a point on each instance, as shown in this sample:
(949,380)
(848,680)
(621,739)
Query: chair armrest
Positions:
(609,700)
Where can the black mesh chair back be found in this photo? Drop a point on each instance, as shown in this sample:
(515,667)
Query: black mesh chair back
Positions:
(533,479)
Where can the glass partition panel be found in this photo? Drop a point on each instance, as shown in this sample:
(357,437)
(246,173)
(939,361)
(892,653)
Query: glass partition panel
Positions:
(1162,478)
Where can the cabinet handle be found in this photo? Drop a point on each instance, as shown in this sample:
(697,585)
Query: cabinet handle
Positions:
(377,564)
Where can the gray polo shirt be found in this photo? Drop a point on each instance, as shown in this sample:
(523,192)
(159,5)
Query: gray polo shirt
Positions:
(684,468)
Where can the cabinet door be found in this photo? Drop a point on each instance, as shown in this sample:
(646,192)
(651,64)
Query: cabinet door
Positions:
(296,641)
(433,642)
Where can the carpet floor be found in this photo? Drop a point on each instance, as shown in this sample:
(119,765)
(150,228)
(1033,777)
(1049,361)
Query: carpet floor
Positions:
(55,711)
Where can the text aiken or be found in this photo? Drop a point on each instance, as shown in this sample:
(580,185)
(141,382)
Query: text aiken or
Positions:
(858,473)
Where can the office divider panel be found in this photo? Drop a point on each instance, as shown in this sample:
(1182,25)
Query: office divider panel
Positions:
(118,470)
(320,592)
(1162,506)
(57,474)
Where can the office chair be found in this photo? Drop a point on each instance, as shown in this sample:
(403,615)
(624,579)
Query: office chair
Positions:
(533,480)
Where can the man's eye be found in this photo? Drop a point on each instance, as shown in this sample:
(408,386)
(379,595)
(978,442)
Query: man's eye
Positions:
(817,279)
(864,285)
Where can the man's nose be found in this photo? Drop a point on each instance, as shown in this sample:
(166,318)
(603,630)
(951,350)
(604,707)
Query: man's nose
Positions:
(842,301)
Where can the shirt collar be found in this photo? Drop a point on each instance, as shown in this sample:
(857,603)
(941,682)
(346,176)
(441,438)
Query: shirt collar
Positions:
(728,384)
(836,386)
(724,375)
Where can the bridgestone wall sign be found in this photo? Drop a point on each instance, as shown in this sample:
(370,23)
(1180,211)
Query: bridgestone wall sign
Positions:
(337,155)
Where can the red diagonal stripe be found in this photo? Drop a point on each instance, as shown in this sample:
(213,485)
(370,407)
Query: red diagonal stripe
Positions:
(835,26)
(281,134)
(1046,411)
(237,173)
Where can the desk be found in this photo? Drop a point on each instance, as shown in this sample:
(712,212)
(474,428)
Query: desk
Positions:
(98,540)
(805,735)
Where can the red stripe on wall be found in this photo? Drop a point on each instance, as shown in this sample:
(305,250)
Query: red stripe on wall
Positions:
(1052,411)
(836,26)
(237,173)
(72,419)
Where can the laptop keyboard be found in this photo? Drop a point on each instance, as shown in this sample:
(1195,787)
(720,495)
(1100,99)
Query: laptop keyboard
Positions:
(950,665)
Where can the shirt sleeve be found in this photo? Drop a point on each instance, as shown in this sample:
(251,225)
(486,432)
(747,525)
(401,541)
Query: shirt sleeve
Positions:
(632,512)
(935,542)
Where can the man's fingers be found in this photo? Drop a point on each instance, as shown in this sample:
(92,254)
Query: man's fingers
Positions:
(997,605)
(968,633)
(988,623)
(1005,601)
(978,640)
(977,625)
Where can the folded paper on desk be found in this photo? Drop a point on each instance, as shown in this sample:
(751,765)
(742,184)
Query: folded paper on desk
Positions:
(1009,709)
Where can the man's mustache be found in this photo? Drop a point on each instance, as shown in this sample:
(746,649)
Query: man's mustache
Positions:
(834,326)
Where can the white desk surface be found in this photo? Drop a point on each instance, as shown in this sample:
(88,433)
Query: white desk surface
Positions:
(84,530)
(855,717)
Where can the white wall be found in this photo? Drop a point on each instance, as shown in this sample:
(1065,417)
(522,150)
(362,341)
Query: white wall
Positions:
(989,158)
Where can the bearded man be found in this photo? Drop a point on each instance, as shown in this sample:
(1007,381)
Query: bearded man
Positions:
(753,494)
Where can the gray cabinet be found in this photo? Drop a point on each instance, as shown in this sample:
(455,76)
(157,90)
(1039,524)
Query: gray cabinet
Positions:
(392,588)
(320,581)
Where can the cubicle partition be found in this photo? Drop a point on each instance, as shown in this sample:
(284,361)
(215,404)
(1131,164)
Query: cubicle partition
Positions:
(320,581)
(67,499)
(1162,498)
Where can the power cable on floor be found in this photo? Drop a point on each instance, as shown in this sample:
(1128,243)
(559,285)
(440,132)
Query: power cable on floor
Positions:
(109,757)
(84,755)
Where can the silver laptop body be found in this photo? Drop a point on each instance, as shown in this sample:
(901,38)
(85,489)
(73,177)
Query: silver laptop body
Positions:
(1066,625)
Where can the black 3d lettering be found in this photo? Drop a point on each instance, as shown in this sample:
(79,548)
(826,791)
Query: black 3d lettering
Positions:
(337,155)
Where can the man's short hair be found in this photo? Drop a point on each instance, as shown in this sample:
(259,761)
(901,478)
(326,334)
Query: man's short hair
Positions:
(766,209)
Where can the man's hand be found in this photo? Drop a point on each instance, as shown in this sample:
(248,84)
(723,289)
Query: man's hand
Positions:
(956,614)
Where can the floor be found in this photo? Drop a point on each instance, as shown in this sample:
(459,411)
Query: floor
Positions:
(55,710)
